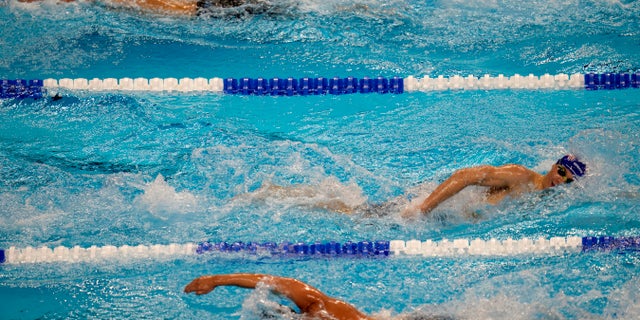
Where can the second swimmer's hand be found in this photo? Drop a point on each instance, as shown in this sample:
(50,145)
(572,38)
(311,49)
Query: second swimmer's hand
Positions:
(202,285)
(410,211)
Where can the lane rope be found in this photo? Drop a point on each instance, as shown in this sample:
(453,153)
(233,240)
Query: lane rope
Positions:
(327,249)
(289,86)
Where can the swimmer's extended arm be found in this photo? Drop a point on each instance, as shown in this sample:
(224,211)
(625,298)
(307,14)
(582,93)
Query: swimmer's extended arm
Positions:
(308,299)
(488,176)
(187,7)
(41,0)
(285,286)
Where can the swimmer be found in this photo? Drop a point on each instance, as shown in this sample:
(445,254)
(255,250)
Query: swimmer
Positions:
(311,301)
(185,7)
(502,181)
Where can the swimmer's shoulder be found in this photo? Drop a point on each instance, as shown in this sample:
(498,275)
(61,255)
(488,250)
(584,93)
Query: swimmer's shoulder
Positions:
(516,169)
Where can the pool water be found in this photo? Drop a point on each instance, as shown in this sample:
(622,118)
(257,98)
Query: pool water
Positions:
(114,168)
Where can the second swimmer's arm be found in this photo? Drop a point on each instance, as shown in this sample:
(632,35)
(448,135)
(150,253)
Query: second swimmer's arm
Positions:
(186,7)
(307,298)
(303,295)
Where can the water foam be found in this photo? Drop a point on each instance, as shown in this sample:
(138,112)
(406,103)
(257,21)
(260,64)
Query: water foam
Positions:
(329,194)
(161,199)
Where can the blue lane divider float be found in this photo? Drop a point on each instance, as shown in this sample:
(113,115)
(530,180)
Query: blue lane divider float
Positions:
(21,89)
(332,248)
(610,243)
(610,81)
(312,86)
(289,86)
(328,249)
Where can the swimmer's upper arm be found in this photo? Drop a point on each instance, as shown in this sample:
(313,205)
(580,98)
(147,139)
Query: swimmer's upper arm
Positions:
(304,296)
(487,176)
(491,176)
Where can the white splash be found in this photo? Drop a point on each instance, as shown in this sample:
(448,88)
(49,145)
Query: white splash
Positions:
(161,198)
(330,194)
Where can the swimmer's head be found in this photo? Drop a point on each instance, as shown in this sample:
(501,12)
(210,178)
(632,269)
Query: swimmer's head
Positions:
(575,166)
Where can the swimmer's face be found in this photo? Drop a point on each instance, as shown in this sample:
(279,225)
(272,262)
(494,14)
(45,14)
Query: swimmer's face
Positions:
(559,175)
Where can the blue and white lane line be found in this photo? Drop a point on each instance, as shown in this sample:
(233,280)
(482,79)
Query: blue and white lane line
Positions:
(330,249)
(289,86)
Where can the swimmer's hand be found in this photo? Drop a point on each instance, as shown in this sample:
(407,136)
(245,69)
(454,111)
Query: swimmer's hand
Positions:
(411,211)
(202,285)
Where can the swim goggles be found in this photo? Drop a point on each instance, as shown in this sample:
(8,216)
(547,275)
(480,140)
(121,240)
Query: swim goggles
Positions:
(562,171)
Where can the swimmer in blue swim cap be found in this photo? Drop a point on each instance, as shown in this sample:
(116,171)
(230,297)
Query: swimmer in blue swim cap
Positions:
(502,181)
(571,163)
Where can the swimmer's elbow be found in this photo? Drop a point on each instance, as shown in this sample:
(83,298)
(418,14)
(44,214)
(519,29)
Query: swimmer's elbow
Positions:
(467,176)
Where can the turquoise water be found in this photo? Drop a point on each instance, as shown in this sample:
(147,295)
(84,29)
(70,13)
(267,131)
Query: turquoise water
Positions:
(142,168)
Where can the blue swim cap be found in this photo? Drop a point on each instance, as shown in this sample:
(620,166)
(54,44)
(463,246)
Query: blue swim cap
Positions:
(572,164)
